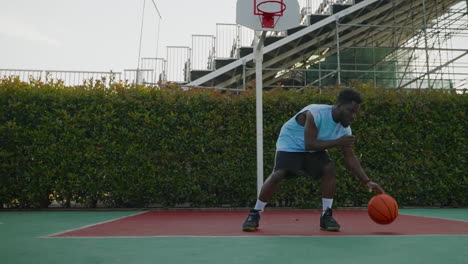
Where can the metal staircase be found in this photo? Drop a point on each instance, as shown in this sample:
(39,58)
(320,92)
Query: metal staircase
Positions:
(329,31)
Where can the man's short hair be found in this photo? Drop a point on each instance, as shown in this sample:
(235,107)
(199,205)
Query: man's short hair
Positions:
(348,95)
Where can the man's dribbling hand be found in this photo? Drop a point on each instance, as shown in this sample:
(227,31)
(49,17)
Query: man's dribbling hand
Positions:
(374,186)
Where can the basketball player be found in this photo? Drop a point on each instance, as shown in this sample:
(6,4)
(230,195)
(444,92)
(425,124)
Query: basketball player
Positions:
(302,145)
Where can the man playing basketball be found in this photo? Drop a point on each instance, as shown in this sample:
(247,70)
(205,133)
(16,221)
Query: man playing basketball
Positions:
(302,145)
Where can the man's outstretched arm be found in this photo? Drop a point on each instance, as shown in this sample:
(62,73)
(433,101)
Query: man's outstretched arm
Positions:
(353,164)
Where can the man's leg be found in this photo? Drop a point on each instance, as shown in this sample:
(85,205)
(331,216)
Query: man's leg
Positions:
(287,164)
(269,187)
(328,187)
(319,165)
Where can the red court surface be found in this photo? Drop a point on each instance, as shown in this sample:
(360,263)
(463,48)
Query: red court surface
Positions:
(273,223)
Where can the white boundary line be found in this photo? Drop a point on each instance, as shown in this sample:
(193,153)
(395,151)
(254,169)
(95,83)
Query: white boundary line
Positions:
(86,226)
(441,218)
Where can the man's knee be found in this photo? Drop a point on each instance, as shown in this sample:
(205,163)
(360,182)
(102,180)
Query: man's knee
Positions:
(328,170)
(279,175)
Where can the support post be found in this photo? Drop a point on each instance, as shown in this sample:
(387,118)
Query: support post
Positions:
(426,43)
(243,74)
(259,38)
(338,67)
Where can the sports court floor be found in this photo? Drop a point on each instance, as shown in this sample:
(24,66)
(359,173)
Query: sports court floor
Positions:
(211,236)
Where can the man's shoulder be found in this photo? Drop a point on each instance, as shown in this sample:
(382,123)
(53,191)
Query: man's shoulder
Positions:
(320,105)
(317,107)
(319,110)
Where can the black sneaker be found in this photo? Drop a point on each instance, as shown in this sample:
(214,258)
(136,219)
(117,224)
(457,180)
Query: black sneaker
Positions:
(327,222)
(251,223)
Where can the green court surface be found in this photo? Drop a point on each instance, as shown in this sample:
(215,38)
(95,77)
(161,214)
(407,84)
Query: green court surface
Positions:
(24,239)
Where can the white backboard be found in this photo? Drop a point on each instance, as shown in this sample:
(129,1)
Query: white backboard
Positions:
(246,9)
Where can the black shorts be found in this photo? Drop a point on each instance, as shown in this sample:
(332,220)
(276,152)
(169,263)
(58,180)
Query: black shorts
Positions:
(310,162)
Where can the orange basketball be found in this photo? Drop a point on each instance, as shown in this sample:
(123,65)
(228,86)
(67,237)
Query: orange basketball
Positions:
(383,209)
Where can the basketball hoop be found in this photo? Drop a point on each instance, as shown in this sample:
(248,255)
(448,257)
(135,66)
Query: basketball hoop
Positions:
(268,15)
(268,19)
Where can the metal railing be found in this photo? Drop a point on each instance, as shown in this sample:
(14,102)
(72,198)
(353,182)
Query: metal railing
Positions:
(157,67)
(226,35)
(69,78)
(203,50)
(138,76)
(178,63)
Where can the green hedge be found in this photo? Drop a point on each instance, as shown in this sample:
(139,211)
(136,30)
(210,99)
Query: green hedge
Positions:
(136,146)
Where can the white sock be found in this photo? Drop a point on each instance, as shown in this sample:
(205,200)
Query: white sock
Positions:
(260,205)
(326,203)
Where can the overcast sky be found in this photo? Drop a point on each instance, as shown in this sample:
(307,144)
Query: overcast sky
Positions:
(100,35)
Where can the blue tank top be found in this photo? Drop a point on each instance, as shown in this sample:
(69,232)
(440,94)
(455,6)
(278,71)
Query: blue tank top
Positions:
(291,138)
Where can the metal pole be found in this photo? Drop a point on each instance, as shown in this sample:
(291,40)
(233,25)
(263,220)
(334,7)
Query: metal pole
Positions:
(320,76)
(373,60)
(243,74)
(259,37)
(138,79)
(338,67)
(158,29)
(426,43)
(238,40)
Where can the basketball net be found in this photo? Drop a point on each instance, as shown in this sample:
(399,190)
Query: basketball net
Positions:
(268,19)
